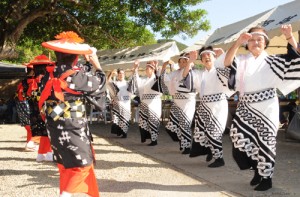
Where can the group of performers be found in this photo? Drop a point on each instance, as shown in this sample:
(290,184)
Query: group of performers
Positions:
(52,103)
(254,76)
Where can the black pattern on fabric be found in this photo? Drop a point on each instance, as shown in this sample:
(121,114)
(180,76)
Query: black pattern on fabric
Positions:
(208,132)
(113,90)
(223,73)
(213,98)
(120,119)
(232,75)
(70,141)
(258,96)
(151,96)
(186,85)
(185,133)
(281,65)
(172,126)
(23,110)
(254,134)
(69,133)
(149,121)
(132,85)
(67,109)
(179,96)
(37,124)
(161,84)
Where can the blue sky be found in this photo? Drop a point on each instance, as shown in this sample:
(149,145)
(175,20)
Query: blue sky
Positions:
(225,12)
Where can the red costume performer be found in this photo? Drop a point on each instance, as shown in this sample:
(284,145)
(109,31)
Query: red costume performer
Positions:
(23,108)
(37,123)
(63,98)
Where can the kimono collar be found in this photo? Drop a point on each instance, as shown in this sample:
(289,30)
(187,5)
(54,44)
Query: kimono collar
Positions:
(211,69)
(261,56)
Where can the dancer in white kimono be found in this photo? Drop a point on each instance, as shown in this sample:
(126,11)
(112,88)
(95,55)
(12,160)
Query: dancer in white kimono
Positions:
(184,102)
(256,121)
(211,113)
(150,107)
(121,103)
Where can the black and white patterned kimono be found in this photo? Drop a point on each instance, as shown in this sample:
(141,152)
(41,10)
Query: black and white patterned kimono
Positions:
(256,121)
(212,111)
(37,124)
(121,106)
(150,107)
(66,122)
(183,107)
(22,103)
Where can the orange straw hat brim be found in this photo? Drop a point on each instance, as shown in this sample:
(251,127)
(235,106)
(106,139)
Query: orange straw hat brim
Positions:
(28,65)
(65,46)
(68,42)
(39,60)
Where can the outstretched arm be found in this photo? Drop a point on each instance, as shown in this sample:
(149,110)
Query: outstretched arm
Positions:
(234,48)
(193,56)
(93,59)
(287,31)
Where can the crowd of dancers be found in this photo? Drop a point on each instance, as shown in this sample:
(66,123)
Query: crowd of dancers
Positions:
(52,104)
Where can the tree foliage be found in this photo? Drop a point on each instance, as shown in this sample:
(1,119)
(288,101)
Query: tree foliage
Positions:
(102,23)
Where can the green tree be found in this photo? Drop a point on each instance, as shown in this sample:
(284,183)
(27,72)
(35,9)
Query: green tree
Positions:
(102,23)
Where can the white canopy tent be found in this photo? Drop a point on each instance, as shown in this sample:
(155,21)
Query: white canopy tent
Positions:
(271,20)
(124,58)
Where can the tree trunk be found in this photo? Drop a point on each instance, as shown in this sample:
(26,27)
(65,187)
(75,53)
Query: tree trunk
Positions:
(8,48)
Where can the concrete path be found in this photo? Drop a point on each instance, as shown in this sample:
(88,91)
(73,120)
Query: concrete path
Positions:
(228,179)
(128,168)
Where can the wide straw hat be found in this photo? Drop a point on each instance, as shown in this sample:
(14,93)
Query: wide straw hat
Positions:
(28,65)
(68,42)
(40,59)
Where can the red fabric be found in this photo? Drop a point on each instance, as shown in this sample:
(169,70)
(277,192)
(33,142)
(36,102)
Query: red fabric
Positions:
(78,180)
(29,134)
(45,145)
(36,139)
(57,84)
(20,92)
(32,85)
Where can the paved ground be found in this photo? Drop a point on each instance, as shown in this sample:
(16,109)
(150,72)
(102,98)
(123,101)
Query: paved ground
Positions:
(228,179)
(126,167)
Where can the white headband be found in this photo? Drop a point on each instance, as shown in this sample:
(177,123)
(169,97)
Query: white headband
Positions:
(184,57)
(207,51)
(150,65)
(260,33)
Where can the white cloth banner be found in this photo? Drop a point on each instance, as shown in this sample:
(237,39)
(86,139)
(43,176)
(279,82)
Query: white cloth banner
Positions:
(124,58)
(271,20)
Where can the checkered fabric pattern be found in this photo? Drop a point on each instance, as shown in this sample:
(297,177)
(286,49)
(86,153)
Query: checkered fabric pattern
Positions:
(66,109)
(258,96)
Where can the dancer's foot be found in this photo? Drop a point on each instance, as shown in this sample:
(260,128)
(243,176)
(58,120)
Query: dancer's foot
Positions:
(186,151)
(153,143)
(40,157)
(209,157)
(264,185)
(31,146)
(256,179)
(124,135)
(217,163)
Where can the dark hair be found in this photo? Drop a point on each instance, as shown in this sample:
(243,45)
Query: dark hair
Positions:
(253,29)
(39,69)
(65,58)
(182,55)
(119,70)
(28,70)
(204,48)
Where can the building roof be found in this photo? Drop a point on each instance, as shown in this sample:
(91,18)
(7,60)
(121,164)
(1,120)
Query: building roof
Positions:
(10,71)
